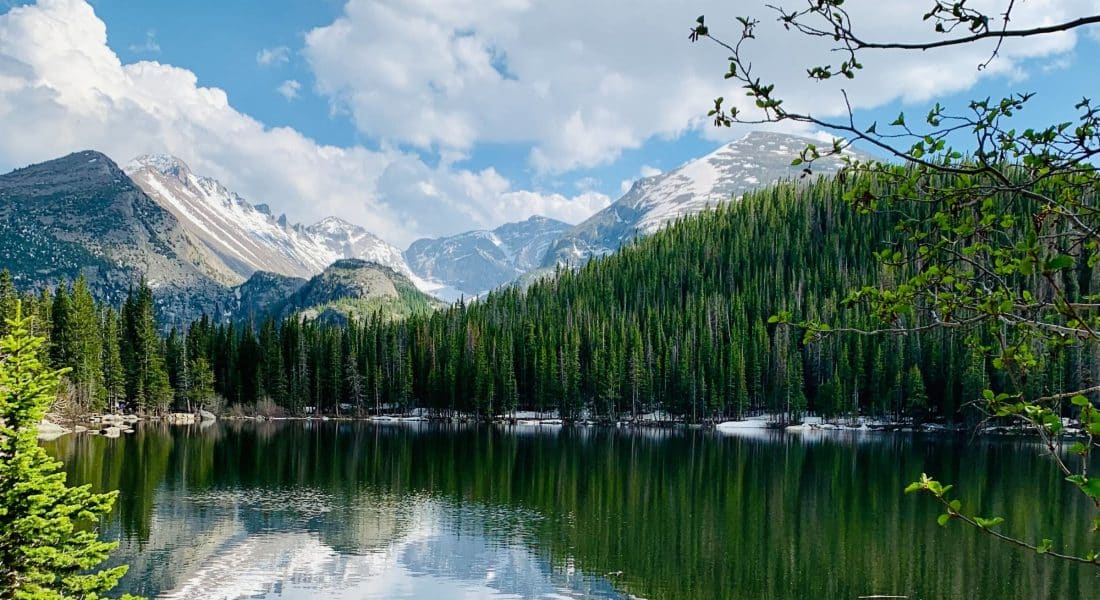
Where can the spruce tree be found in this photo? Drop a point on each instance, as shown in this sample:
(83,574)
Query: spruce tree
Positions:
(44,552)
(114,375)
(86,351)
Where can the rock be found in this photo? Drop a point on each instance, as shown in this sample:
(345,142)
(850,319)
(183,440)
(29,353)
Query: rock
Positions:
(130,419)
(48,430)
(79,429)
(111,432)
(207,415)
(181,418)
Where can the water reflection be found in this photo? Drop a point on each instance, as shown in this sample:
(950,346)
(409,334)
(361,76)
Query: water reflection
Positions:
(304,510)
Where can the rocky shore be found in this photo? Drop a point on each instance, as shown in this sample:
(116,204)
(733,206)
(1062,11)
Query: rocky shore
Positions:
(111,425)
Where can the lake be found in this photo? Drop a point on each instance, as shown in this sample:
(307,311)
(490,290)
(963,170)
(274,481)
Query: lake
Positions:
(309,509)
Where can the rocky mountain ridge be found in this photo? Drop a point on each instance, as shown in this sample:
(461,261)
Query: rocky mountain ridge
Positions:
(478,261)
(754,161)
(247,238)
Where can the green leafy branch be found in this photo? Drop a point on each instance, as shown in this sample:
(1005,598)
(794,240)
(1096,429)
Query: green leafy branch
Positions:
(953,511)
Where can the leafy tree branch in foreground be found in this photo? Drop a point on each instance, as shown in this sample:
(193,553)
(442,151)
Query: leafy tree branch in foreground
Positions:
(998,228)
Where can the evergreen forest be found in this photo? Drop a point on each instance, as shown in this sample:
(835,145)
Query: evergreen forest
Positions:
(676,323)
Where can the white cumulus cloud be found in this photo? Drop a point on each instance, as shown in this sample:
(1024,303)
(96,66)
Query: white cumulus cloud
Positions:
(582,81)
(62,89)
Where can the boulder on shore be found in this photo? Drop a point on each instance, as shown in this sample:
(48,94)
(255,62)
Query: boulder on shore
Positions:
(206,415)
(111,432)
(48,430)
(181,418)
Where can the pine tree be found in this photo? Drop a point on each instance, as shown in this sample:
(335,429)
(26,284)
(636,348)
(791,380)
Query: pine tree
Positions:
(916,396)
(85,354)
(202,382)
(114,375)
(44,553)
(8,298)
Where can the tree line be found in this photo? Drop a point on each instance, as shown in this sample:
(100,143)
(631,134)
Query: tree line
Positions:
(676,323)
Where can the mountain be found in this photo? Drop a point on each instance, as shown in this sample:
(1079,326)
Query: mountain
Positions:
(201,247)
(478,261)
(255,298)
(345,240)
(754,161)
(356,288)
(82,214)
(248,238)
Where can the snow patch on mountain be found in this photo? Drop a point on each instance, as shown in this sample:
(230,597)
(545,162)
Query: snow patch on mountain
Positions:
(756,160)
(248,238)
(476,262)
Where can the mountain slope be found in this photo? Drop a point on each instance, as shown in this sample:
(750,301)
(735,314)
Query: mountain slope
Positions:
(255,298)
(82,214)
(354,288)
(756,160)
(345,240)
(478,261)
(246,238)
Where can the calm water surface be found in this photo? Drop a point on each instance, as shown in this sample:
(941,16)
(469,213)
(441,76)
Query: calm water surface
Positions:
(355,510)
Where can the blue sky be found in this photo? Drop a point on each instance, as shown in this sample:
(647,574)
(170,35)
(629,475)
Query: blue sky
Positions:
(582,97)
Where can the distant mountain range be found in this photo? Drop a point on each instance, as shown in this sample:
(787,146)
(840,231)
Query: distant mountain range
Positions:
(478,261)
(247,238)
(756,160)
(204,248)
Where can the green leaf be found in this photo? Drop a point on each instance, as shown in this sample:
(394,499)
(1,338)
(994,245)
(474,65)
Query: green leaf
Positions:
(1079,400)
(913,487)
(1058,263)
(987,523)
(1044,546)
(943,519)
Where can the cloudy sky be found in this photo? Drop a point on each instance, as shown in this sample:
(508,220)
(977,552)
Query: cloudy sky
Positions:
(431,117)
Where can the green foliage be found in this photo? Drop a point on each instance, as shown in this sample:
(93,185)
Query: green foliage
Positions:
(48,543)
(999,241)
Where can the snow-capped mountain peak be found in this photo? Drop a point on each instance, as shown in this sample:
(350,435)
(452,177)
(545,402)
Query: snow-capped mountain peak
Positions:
(336,226)
(352,241)
(753,161)
(249,238)
(478,261)
(165,164)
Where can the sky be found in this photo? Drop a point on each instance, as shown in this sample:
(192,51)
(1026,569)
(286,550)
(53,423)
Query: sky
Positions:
(422,118)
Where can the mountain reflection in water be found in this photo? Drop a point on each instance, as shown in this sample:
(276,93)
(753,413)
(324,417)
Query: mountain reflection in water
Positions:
(360,510)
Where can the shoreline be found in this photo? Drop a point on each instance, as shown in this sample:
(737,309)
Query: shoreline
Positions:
(115,425)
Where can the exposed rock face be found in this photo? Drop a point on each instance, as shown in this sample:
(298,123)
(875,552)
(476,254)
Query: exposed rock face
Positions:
(478,261)
(346,240)
(754,161)
(244,238)
(354,287)
(82,214)
(197,244)
(261,292)
(247,238)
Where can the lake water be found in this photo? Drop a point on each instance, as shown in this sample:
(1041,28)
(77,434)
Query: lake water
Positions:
(359,510)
